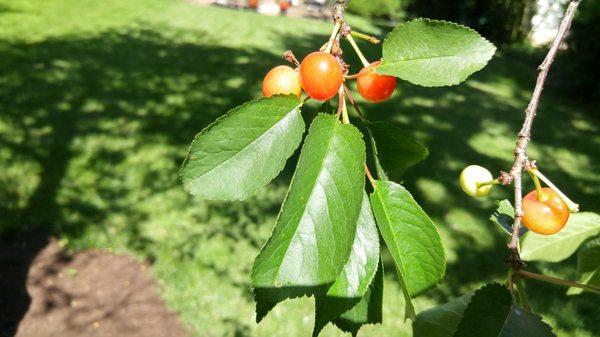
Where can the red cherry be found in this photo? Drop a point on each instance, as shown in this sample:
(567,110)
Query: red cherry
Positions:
(546,216)
(374,87)
(281,80)
(321,75)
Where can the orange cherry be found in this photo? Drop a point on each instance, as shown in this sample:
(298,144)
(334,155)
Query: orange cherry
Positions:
(375,87)
(546,216)
(321,75)
(281,80)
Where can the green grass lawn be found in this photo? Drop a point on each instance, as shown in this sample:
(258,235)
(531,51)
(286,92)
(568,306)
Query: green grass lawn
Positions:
(100,99)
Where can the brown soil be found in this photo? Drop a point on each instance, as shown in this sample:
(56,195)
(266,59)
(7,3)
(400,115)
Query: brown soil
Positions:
(90,293)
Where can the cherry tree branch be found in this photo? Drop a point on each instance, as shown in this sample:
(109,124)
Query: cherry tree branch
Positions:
(524,136)
(338,10)
(558,281)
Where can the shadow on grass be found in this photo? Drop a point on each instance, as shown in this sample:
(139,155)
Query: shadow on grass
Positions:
(94,130)
(117,107)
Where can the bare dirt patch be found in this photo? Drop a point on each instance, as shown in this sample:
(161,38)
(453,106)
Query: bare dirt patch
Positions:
(88,293)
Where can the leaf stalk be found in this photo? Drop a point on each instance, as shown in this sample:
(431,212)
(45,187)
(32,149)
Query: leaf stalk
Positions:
(522,294)
(362,57)
(365,37)
(491,182)
(336,29)
(558,281)
(573,207)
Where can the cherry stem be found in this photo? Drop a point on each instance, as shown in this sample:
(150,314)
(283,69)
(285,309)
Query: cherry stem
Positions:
(510,283)
(340,102)
(573,207)
(336,29)
(362,58)
(522,294)
(558,281)
(345,119)
(354,105)
(538,187)
(291,58)
(491,182)
(366,37)
(370,176)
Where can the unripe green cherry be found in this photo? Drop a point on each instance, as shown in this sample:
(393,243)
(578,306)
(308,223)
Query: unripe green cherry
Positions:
(471,178)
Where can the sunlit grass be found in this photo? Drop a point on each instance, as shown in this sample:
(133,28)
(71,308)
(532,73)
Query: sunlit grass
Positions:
(100,100)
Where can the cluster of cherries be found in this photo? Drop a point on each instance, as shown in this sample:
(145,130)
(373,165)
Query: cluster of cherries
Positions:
(321,75)
(545,211)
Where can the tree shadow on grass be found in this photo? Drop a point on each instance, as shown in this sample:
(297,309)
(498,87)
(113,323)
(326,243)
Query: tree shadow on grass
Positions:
(94,131)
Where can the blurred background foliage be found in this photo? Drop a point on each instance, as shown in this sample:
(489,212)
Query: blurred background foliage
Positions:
(388,9)
(581,67)
(508,23)
(99,101)
(502,22)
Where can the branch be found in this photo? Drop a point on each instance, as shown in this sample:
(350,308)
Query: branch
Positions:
(524,135)
(558,281)
(338,10)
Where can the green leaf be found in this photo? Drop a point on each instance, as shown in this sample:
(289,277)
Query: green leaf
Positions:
(352,283)
(412,239)
(588,266)
(504,216)
(521,323)
(245,149)
(492,314)
(327,108)
(441,321)
(559,246)
(368,310)
(434,53)
(394,150)
(316,226)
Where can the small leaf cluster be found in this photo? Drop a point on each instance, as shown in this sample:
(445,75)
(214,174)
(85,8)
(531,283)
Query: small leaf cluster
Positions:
(489,311)
(326,240)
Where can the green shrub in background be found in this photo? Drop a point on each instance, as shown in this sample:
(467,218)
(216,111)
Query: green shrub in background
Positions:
(581,65)
(501,21)
(392,9)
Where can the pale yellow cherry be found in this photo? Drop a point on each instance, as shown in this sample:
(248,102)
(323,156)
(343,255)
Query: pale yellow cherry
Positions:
(282,80)
(471,179)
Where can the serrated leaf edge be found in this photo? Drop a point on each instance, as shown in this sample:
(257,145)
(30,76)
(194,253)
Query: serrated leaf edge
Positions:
(375,150)
(440,240)
(215,122)
(354,333)
(358,299)
(306,294)
(511,308)
(486,41)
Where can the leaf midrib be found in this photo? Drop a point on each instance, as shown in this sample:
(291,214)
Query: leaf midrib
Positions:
(312,190)
(268,131)
(364,267)
(432,57)
(387,217)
